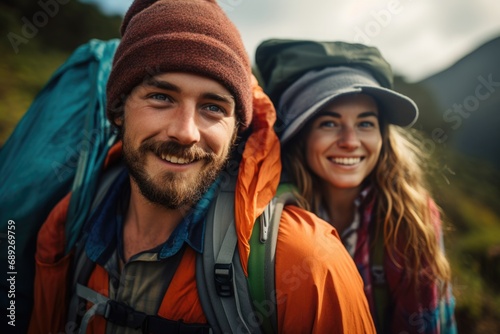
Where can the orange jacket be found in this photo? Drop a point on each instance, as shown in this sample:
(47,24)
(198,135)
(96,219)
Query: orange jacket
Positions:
(318,288)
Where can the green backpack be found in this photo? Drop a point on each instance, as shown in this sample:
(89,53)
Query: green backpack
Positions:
(280,62)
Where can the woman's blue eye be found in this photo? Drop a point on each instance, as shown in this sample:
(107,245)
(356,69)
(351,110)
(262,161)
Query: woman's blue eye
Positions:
(366,124)
(327,124)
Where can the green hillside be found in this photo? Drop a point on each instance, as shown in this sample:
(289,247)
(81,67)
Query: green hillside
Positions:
(468,191)
(21,77)
(38,39)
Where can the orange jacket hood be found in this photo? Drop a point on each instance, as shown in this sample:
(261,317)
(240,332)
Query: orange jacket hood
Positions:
(259,171)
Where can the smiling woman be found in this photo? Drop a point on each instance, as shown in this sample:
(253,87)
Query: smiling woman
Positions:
(343,143)
(352,163)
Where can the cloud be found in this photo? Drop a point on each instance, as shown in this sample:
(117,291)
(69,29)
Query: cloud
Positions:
(111,7)
(418,37)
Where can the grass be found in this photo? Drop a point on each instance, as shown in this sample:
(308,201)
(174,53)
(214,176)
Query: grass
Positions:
(472,240)
(22,76)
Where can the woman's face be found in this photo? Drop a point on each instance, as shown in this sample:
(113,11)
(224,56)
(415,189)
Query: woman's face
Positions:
(344,141)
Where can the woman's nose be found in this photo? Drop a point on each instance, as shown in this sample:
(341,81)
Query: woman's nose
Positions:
(348,138)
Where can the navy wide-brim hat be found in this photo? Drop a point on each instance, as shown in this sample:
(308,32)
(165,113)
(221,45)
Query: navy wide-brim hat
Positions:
(316,89)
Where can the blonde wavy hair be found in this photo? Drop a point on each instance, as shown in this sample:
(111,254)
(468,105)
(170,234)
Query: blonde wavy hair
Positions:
(403,206)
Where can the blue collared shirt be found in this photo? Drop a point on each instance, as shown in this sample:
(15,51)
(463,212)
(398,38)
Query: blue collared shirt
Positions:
(106,230)
(141,281)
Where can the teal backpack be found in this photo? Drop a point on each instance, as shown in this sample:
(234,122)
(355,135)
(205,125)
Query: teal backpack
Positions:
(57,147)
(60,146)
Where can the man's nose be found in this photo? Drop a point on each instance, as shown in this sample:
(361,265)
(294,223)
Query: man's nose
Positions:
(183,127)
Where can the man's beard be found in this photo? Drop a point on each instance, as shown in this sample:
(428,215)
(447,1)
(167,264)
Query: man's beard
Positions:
(170,189)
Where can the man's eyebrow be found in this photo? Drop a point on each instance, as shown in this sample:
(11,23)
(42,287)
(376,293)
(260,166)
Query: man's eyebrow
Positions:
(161,84)
(229,99)
(171,87)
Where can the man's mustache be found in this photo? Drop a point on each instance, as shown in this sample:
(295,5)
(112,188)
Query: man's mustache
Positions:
(187,152)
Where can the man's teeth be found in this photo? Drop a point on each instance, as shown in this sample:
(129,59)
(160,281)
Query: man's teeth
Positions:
(347,161)
(176,160)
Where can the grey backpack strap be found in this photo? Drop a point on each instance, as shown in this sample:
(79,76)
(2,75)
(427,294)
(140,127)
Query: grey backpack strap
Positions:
(83,267)
(105,182)
(231,302)
(221,281)
(99,307)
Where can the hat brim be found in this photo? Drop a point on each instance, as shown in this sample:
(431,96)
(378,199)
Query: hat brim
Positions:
(396,108)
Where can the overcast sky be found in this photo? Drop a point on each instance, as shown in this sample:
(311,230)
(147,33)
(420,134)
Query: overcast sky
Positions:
(418,37)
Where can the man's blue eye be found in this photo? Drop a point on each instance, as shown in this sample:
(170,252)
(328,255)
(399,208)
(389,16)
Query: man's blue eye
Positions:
(214,108)
(161,97)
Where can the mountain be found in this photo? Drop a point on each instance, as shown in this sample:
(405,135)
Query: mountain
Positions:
(460,114)
(466,104)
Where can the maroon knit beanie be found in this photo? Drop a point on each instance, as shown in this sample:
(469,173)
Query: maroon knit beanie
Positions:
(193,36)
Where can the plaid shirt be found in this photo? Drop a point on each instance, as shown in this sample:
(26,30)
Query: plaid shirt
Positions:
(141,281)
(409,312)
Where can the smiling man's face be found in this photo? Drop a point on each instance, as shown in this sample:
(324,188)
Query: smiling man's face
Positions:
(178,130)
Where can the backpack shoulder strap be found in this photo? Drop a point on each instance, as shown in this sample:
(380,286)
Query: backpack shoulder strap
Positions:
(231,302)
(379,280)
(222,285)
(82,265)
(261,262)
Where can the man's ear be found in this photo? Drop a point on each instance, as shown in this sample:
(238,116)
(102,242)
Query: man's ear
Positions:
(118,121)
